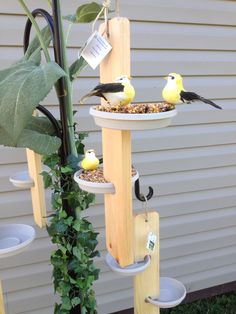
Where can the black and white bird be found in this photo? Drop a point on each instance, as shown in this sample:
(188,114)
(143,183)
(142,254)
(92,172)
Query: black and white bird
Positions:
(121,92)
(175,93)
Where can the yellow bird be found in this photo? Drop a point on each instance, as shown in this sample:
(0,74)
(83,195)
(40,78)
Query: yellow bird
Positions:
(90,162)
(175,93)
(121,92)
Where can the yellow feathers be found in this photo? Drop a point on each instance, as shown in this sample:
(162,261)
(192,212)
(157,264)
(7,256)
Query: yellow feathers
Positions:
(90,162)
(173,88)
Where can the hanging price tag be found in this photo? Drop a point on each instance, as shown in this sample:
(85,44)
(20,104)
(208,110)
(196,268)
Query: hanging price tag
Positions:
(151,241)
(95,49)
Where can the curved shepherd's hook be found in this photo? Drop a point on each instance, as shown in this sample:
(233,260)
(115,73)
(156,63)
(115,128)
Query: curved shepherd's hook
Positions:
(28,26)
(140,195)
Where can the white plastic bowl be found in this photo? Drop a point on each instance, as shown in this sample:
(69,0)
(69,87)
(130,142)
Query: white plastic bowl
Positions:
(15,238)
(22,180)
(98,188)
(172,293)
(130,270)
(127,121)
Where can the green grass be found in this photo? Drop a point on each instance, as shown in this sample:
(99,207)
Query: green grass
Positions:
(222,304)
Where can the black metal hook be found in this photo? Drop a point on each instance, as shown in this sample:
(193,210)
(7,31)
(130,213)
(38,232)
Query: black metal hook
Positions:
(140,195)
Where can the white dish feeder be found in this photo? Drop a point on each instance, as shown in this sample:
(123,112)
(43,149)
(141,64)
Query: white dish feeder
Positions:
(130,270)
(172,293)
(127,121)
(22,180)
(97,187)
(15,238)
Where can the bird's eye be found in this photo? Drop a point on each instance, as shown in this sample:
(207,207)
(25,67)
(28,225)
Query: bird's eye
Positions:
(172,77)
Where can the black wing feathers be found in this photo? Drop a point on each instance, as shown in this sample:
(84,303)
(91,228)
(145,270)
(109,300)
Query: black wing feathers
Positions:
(190,96)
(108,88)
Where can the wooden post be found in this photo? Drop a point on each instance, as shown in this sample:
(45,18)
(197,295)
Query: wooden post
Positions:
(37,191)
(146,283)
(117,153)
(2,309)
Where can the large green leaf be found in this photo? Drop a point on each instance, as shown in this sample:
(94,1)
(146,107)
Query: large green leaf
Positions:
(86,13)
(38,136)
(42,144)
(77,67)
(21,90)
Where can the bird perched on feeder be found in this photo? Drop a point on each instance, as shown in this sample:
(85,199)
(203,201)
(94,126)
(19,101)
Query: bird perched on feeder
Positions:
(174,92)
(121,92)
(90,161)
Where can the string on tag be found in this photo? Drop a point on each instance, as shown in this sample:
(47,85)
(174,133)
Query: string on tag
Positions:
(145,207)
(105,7)
(117,8)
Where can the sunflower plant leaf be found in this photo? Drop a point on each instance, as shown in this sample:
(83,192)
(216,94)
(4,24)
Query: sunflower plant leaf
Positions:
(77,67)
(22,87)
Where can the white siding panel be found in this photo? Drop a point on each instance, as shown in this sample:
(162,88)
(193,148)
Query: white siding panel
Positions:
(191,164)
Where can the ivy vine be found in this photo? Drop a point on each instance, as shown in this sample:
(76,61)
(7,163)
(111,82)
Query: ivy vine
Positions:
(73,268)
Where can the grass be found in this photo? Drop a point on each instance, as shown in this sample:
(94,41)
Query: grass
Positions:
(222,304)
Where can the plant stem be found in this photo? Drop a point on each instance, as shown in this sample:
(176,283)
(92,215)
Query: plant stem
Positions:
(37,29)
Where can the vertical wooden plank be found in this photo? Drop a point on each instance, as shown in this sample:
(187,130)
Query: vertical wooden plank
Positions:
(37,191)
(2,308)
(117,152)
(118,206)
(118,61)
(146,283)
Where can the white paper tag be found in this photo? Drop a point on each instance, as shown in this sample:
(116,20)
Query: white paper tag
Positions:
(95,49)
(151,241)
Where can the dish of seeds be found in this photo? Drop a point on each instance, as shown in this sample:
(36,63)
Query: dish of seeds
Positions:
(97,175)
(136,108)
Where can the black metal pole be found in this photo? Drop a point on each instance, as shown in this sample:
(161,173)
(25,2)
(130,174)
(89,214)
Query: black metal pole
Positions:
(61,83)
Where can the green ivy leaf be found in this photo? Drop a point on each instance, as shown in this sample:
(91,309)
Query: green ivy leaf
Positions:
(22,87)
(47,179)
(75,301)
(77,67)
(66,303)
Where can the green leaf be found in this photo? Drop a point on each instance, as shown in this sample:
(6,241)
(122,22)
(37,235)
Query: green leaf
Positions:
(75,301)
(66,303)
(35,46)
(77,67)
(47,179)
(87,13)
(71,18)
(22,87)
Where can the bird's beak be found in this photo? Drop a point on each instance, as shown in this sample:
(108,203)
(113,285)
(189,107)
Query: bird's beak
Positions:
(165,78)
(130,77)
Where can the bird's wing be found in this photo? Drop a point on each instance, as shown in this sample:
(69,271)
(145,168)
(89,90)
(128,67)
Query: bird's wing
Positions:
(100,89)
(191,96)
(108,88)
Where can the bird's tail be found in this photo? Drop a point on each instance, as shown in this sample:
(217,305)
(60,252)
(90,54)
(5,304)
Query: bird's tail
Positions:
(209,102)
(85,97)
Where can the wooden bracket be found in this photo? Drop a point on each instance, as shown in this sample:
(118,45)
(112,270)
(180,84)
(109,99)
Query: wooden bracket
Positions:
(2,308)
(146,283)
(37,191)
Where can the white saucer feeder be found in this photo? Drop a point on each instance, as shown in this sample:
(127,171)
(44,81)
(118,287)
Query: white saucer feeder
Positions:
(15,238)
(127,121)
(97,187)
(172,293)
(22,180)
(130,270)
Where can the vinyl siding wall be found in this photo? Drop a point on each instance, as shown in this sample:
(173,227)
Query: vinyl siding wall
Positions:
(191,164)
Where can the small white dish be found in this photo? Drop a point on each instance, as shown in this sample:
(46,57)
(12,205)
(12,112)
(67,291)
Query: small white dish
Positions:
(172,293)
(15,238)
(22,180)
(127,121)
(96,187)
(130,270)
